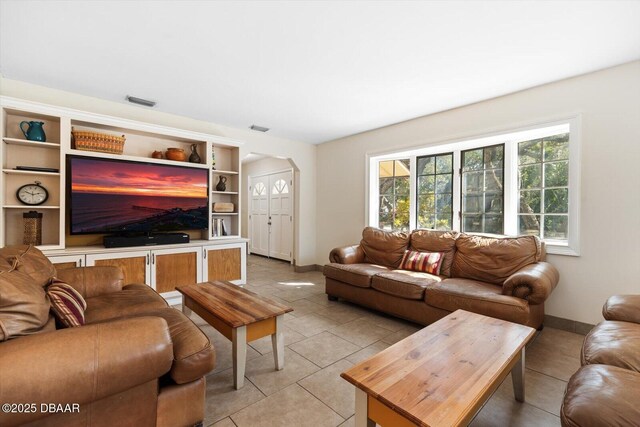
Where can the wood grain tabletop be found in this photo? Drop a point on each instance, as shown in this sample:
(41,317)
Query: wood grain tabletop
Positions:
(233,305)
(439,375)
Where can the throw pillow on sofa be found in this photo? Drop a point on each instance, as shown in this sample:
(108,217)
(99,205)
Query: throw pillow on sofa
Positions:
(67,305)
(24,308)
(425,262)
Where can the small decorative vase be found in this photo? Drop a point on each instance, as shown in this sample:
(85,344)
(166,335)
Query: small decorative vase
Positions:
(32,228)
(34,131)
(156,154)
(222,184)
(177,154)
(194,157)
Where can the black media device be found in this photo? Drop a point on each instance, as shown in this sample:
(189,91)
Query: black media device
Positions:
(145,240)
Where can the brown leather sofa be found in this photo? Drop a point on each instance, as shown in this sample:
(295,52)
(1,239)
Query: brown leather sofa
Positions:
(505,278)
(136,361)
(606,389)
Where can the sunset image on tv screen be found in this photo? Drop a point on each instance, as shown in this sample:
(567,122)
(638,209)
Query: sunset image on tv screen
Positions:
(109,196)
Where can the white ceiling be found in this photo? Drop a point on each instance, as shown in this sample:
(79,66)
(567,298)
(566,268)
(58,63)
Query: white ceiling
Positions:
(311,71)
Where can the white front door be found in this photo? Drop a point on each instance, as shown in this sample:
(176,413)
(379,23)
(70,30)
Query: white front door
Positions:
(271,215)
(280,196)
(259,215)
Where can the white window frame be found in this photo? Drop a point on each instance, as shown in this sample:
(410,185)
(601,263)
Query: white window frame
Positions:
(510,138)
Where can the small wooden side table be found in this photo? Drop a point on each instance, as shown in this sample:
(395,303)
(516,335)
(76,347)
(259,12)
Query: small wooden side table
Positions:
(240,315)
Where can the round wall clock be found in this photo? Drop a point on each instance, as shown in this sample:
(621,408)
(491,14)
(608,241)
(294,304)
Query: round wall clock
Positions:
(32,194)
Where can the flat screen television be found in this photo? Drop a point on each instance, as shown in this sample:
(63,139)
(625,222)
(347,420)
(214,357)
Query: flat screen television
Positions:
(130,197)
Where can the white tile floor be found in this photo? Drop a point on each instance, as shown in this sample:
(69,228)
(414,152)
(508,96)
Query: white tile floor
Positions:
(325,338)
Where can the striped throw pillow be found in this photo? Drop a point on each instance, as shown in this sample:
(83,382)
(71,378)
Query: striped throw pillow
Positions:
(426,262)
(67,304)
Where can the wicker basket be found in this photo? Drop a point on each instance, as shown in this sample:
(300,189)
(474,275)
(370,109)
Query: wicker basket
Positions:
(101,142)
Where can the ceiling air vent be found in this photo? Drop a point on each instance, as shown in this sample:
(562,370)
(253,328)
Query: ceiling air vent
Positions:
(258,128)
(140,101)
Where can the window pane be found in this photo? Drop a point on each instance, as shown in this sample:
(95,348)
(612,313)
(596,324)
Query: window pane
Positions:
(493,180)
(493,203)
(443,203)
(443,222)
(401,220)
(426,184)
(386,186)
(556,174)
(472,160)
(426,204)
(472,204)
(426,221)
(444,164)
(556,147)
(473,182)
(530,176)
(443,183)
(386,205)
(529,225)
(529,202)
(385,169)
(493,157)
(402,168)
(426,165)
(472,223)
(556,227)
(402,185)
(493,224)
(530,152)
(556,200)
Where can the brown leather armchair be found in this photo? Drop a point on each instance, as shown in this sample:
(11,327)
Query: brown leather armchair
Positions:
(605,391)
(135,362)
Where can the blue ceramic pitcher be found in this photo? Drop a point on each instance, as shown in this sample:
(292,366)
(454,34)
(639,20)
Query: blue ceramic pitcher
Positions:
(34,131)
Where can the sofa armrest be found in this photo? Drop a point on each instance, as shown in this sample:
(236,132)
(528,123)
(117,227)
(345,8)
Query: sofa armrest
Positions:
(533,283)
(624,308)
(93,281)
(82,365)
(347,255)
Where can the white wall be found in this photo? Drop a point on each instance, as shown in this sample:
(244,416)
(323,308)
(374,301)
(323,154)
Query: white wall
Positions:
(609,102)
(261,167)
(302,154)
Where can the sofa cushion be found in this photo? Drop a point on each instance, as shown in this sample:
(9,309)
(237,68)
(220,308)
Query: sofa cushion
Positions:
(403,283)
(133,299)
(478,297)
(24,307)
(436,241)
(613,343)
(600,395)
(353,274)
(67,304)
(622,307)
(493,260)
(193,354)
(425,262)
(383,247)
(29,260)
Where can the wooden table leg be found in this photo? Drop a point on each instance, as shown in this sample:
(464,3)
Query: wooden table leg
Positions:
(239,344)
(517,376)
(186,310)
(362,412)
(277,341)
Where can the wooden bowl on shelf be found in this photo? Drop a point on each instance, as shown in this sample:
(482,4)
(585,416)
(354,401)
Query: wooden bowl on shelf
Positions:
(176,154)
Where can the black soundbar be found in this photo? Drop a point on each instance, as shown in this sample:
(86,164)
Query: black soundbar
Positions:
(146,240)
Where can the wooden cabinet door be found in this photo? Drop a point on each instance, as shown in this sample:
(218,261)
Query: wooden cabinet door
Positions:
(67,261)
(175,267)
(225,262)
(135,265)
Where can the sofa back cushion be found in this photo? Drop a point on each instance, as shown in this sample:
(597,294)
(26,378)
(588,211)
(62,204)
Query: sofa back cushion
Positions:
(383,247)
(436,241)
(24,307)
(29,260)
(493,260)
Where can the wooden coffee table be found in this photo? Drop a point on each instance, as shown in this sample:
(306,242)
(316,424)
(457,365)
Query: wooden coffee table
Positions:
(442,374)
(240,315)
